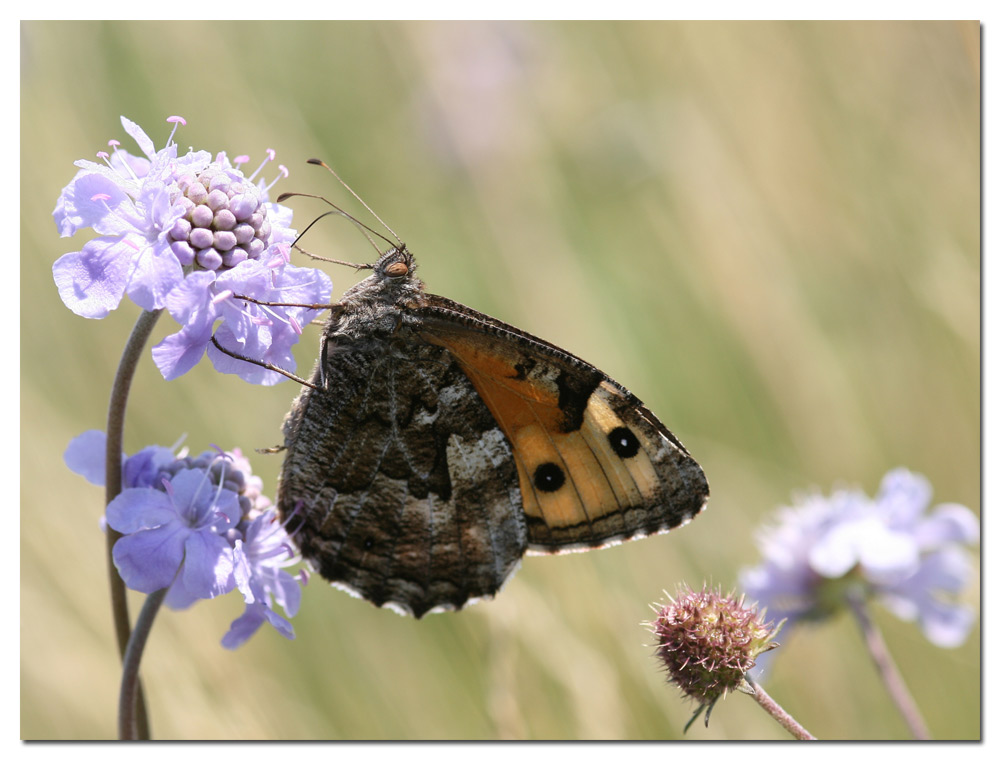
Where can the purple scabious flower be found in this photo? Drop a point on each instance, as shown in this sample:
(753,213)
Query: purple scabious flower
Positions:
(190,235)
(199,527)
(915,564)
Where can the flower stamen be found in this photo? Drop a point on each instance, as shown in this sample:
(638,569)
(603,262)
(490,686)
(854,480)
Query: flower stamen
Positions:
(175,120)
(270,157)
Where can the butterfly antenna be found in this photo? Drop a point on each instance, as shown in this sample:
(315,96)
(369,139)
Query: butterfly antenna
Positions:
(362,227)
(318,162)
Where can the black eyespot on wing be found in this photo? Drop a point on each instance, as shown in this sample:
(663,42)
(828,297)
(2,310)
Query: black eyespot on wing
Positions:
(623,442)
(369,543)
(549,477)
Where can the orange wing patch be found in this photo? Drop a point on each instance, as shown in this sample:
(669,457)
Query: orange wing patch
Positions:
(576,489)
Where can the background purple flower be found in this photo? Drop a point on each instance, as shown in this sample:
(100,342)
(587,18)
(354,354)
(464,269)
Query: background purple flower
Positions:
(914,563)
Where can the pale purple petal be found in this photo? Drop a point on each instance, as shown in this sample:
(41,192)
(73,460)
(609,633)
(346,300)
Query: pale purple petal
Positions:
(887,556)
(179,597)
(86,454)
(258,346)
(157,273)
(301,285)
(191,302)
(903,496)
(193,162)
(208,564)
(92,199)
(177,354)
(148,560)
(126,164)
(782,594)
(247,624)
(947,570)
(91,282)
(836,551)
(279,624)
(241,572)
(281,223)
(136,509)
(191,305)
(946,625)
(948,523)
(141,138)
(287,592)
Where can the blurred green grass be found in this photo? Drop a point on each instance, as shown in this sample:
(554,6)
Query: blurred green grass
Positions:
(768,231)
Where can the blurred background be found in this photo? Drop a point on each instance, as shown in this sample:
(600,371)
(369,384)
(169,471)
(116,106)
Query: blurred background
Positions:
(769,232)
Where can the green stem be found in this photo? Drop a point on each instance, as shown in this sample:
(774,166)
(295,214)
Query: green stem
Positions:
(891,676)
(131,688)
(113,486)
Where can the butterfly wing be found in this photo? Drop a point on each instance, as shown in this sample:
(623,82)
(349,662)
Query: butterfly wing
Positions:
(595,466)
(400,486)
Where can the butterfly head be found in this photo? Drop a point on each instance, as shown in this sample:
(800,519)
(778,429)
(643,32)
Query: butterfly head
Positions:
(392,281)
(396,266)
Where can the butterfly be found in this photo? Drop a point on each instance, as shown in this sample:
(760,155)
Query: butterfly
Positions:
(435,446)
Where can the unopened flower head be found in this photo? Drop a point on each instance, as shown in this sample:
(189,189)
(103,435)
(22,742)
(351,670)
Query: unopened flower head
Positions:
(198,526)
(823,549)
(708,641)
(191,235)
(225,219)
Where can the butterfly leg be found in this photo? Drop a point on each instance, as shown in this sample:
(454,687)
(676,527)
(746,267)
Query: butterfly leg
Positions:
(265,365)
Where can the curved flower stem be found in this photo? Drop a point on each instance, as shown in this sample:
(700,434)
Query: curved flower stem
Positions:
(130,690)
(777,712)
(113,485)
(891,677)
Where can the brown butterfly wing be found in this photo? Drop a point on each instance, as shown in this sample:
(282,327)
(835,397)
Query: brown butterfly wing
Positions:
(595,466)
(400,485)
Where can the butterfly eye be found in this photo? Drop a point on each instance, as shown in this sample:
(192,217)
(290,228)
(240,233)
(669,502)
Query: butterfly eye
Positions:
(396,269)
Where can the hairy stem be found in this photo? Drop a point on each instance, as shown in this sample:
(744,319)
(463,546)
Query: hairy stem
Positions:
(113,486)
(777,712)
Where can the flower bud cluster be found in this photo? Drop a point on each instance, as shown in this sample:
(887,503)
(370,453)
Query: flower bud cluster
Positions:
(224,223)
